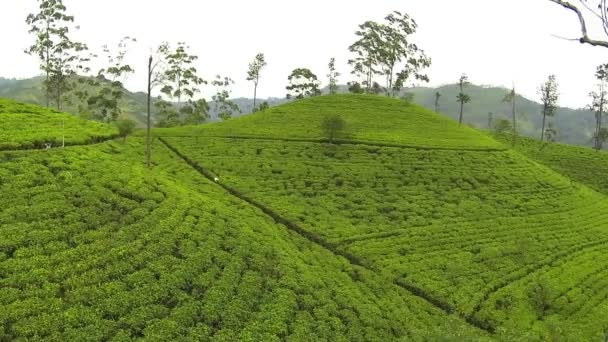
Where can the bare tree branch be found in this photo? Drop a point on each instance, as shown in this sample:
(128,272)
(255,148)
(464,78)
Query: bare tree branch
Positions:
(585,35)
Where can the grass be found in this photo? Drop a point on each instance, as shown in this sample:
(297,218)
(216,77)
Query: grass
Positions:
(26,126)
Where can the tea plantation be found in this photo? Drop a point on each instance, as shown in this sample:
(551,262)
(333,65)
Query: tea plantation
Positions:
(582,164)
(408,227)
(25,126)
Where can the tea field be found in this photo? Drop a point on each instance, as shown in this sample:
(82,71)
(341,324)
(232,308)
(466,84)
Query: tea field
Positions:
(368,119)
(582,164)
(408,228)
(24,126)
(95,247)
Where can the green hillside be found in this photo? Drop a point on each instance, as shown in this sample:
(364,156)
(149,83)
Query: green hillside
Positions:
(26,126)
(95,247)
(368,118)
(257,229)
(582,164)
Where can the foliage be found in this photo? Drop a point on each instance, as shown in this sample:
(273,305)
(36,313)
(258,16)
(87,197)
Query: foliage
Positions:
(126,127)
(332,126)
(503,126)
(253,74)
(549,96)
(104,99)
(384,49)
(262,107)
(462,97)
(437,97)
(195,112)
(60,56)
(302,83)
(333,76)
(599,103)
(224,107)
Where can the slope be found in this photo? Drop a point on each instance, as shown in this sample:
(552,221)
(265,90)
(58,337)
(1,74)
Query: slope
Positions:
(582,164)
(93,246)
(27,126)
(476,229)
(368,119)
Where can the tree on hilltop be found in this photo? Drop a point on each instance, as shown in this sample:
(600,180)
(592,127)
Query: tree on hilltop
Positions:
(60,56)
(253,74)
(302,83)
(462,97)
(510,97)
(598,103)
(385,49)
(549,96)
(333,76)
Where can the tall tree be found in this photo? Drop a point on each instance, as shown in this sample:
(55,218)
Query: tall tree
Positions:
(180,81)
(302,83)
(156,75)
(490,119)
(224,107)
(386,49)
(104,102)
(599,102)
(333,76)
(437,96)
(253,74)
(60,57)
(598,11)
(462,97)
(510,97)
(549,96)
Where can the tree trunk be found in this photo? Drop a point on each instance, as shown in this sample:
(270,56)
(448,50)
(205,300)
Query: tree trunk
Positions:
(255,94)
(461,110)
(542,132)
(148,122)
(513,114)
(599,128)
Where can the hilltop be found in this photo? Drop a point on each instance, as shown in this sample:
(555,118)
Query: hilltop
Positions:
(31,127)
(406,227)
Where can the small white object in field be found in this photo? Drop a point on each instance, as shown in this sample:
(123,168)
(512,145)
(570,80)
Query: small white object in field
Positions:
(216,179)
(47,146)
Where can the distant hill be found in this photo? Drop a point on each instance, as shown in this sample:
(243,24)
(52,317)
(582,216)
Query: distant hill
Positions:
(31,91)
(574,126)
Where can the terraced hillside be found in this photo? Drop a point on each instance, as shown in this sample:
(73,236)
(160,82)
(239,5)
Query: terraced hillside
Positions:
(369,118)
(24,126)
(408,228)
(582,164)
(476,229)
(95,247)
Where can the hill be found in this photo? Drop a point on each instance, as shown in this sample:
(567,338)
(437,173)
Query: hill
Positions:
(134,103)
(27,126)
(93,246)
(574,126)
(408,227)
(581,164)
(474,228)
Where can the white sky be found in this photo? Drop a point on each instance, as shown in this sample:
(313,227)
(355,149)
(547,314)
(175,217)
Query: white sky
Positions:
(495,42)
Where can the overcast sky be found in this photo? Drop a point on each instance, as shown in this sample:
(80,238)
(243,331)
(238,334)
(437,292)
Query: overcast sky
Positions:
(495,42)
